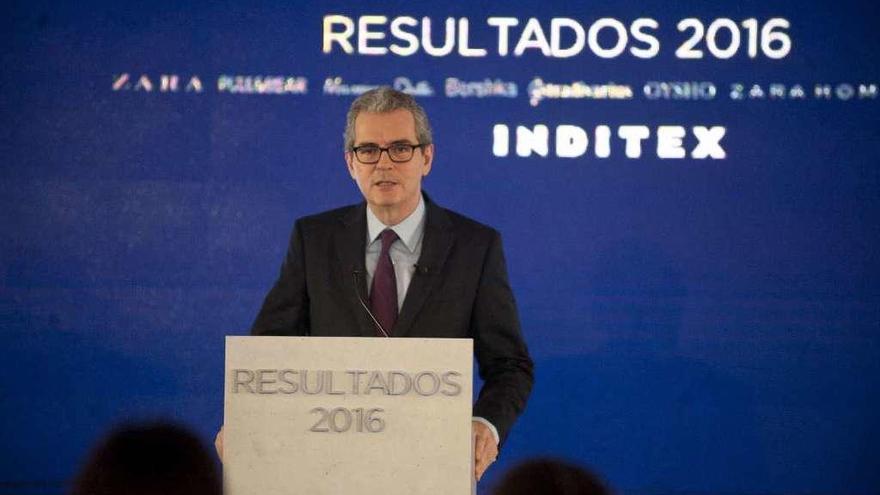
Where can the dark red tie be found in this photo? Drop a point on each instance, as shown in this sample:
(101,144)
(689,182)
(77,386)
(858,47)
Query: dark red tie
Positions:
(383,294)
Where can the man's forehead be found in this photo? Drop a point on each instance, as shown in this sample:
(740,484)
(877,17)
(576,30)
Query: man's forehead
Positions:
(393,126)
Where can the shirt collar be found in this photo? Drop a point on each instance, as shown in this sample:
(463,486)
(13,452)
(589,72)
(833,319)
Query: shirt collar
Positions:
(409,230)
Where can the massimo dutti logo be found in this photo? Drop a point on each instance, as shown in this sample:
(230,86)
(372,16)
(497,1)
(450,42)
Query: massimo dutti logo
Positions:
(337,86)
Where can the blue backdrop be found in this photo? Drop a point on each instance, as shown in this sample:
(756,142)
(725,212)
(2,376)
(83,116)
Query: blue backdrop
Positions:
(698,325)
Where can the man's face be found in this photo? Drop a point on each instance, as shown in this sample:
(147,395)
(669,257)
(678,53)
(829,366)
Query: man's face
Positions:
(389,185)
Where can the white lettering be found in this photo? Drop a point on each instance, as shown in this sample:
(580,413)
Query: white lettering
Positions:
(669,141)
(448,38)
(556,26)
(603,141)
(500,140)
(636,29)
(868,91)
(503,24)
(593,37)
(633,135)
(532,37)
(708,144)
(822,91)
(412,40)
(529,140)
(365,35)
(463,49)
(342,37)
(571,141)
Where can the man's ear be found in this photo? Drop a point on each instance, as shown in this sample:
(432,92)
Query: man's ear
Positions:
(428,154)
(349,156)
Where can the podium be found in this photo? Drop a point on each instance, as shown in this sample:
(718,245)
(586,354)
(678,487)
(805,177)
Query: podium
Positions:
(340,415)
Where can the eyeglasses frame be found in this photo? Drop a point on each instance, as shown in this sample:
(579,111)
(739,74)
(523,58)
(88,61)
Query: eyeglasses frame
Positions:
(387,151)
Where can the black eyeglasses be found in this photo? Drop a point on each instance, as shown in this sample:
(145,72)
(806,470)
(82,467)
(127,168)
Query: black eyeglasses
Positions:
(370,154)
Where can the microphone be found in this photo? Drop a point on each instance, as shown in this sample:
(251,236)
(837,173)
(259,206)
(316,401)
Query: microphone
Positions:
(422,269)
(357,283)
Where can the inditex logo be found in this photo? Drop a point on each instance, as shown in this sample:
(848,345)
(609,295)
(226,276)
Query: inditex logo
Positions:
(572,141)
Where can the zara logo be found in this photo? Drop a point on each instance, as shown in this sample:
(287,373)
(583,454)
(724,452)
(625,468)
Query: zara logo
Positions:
(163,83)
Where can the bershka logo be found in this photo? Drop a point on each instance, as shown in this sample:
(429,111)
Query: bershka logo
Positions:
(573,141)
(161,83)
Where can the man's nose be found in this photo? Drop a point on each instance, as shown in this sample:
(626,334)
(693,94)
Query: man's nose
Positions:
(385,160)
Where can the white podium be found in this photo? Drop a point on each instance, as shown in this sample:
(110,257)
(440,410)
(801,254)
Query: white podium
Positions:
(338,415)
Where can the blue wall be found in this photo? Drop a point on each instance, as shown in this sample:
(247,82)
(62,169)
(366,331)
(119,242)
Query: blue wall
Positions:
(698,325)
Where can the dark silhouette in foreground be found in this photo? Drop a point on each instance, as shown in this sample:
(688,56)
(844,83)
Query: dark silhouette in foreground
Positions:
(149,459)
(550,477)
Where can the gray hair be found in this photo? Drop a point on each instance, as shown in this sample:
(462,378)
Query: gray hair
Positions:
(386,99)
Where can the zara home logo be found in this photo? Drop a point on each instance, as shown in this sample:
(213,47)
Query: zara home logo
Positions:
(161,83)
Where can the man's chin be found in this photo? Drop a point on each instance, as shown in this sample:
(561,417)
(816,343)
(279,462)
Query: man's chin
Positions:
(386,199)
(383,202)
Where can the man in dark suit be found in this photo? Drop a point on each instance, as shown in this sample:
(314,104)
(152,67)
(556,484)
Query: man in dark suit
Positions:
(398,265)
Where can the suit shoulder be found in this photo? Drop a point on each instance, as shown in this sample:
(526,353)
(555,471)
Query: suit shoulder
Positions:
(469,226)
(329,217)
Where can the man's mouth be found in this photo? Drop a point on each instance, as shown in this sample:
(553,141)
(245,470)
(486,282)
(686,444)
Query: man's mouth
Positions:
(385,183)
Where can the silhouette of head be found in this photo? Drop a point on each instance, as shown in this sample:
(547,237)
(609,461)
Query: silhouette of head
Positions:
(149,459)
(550,477)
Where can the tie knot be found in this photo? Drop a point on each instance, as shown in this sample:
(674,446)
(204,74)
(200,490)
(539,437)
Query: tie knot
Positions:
(388,237)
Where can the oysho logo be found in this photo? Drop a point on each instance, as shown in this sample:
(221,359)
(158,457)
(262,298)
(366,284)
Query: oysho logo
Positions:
(679,90)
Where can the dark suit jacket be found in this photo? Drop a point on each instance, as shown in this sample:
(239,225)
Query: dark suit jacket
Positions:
(460,289)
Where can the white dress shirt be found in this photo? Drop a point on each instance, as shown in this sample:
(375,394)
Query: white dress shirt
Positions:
(404,251)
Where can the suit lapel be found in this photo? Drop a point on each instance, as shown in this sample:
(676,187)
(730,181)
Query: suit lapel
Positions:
(350,240)
(435,249)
